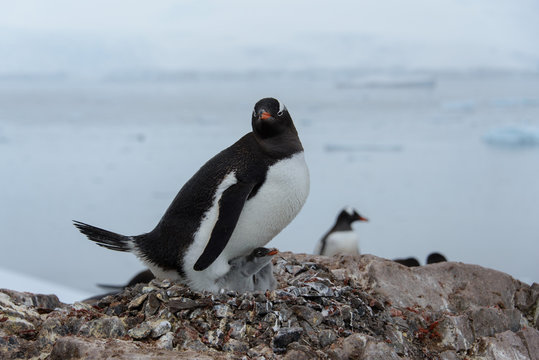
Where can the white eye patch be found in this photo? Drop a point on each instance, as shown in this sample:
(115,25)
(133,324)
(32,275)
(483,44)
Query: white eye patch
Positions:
(281,107)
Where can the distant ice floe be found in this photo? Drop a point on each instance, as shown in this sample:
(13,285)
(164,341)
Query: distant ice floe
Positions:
(515,102)
(363,148)
(389,81)
(513,136)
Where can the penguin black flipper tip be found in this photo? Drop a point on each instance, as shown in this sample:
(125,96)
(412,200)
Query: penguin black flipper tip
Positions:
(105,238)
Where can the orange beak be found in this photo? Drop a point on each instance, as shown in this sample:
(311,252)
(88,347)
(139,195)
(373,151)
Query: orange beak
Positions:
(361,218)
(273,252)
(265,115)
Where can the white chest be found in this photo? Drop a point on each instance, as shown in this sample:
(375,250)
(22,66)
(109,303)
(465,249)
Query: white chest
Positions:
(342,242)
(275,205)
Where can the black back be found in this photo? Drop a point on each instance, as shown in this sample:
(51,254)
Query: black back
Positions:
(435,258)
(250,157)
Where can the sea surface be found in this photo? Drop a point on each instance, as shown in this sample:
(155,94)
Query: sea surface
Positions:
(445,162)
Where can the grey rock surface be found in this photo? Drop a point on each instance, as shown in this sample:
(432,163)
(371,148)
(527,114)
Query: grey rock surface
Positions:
(344,307)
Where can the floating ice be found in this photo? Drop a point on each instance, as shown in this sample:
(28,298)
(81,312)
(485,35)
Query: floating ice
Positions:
(513,136)
(389,81)
(363,147)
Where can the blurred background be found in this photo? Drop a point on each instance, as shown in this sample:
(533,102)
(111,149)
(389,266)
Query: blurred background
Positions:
(423,115)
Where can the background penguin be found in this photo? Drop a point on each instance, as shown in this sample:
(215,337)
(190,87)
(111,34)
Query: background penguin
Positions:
(435,257)
(238,201)
(244,274)
(410,262)
(341,238)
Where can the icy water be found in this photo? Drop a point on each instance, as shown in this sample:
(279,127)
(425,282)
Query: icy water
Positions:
(437,162)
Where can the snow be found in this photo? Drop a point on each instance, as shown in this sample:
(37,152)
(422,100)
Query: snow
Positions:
(25,283)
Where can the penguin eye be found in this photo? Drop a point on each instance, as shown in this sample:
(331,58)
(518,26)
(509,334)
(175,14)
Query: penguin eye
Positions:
(280,113)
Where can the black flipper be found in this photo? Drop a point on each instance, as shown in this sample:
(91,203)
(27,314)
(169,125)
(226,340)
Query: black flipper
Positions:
(142,277)
(230,206)
(104,238)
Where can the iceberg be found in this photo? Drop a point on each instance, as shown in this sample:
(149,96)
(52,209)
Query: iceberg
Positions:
(513,136)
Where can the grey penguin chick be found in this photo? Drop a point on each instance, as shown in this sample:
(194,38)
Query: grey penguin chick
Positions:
(238,201)
(341,238)
(245,272)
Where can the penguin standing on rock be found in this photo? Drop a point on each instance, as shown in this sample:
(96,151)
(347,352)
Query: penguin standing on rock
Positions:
(341,238)
(238,201)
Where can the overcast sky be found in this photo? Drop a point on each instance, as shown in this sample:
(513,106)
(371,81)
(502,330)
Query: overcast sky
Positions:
(102,36)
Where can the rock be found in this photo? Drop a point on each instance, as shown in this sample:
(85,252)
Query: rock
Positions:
(502,346)
(361,346)
(314,318)
(237,329)
(39,301)
(68,348)
(285,336)
(137,302)
(490,321)
(325,307)
(456,332)
(140,332)
(530,338)
(152,305)
(235,346)
(260,351)
(159,328)
(222,311)
(111,327)
(326,338)
(166,341)
(297,351)
(448,355)
(176,304)
(15,326)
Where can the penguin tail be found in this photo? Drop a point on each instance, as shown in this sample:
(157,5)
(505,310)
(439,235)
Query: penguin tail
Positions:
(105,238)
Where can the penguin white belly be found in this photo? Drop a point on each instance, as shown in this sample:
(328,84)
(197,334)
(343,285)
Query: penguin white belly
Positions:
(342,242)
(274,206)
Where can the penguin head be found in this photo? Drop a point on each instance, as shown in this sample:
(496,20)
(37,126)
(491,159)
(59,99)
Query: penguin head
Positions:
(273,127)
(260,252)
(350,215)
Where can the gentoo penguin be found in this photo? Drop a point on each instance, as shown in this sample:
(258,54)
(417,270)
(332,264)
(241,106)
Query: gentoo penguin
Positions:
(142,277)
(341,238)
(238,201)
(435,258)
(410,262)
(251,272)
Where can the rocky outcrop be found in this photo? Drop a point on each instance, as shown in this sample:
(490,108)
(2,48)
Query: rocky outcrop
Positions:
(327,308)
